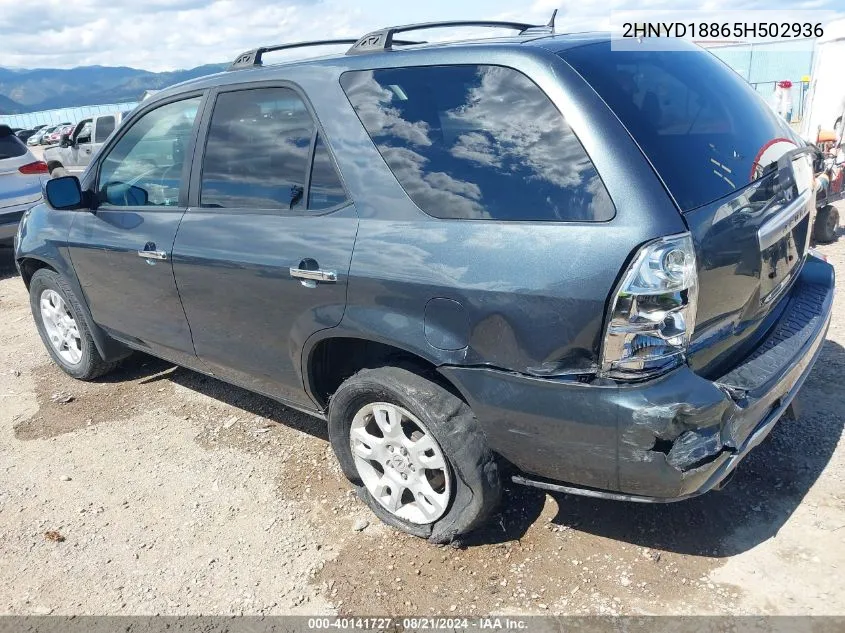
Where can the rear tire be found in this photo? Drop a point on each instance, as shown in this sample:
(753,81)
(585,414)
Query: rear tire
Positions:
(826,225)
(63,329)
(440,480)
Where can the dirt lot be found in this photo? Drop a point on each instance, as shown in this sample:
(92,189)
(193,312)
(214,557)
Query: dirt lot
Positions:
(161,491)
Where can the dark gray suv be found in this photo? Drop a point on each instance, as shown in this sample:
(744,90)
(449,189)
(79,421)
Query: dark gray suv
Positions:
(585,267)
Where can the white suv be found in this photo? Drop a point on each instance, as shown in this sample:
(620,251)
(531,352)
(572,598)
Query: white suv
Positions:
(21,175)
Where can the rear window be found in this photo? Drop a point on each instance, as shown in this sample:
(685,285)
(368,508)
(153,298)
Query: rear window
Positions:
(11,147)
(477,142)
(705,130)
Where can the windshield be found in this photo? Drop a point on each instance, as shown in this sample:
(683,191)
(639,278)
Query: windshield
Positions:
(705,130)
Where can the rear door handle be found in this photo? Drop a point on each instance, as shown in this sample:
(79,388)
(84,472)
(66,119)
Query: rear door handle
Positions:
(157,255)
(328,276)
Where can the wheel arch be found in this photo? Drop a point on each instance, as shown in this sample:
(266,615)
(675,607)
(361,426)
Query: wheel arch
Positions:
(30,265)
(109,349)
(330,359)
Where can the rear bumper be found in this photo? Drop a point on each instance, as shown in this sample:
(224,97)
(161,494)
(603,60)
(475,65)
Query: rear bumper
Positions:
(663,440)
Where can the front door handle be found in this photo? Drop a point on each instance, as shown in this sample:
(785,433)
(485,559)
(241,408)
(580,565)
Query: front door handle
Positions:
(328,276)
(157,255)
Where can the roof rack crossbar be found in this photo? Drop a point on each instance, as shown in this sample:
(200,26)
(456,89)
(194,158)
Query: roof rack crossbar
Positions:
(252,59)
(382,39)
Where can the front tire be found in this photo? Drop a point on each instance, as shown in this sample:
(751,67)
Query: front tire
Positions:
(63,329)
(415,452)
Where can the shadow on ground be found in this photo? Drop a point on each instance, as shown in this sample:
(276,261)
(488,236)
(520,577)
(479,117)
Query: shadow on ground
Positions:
(148,370)
(7,263)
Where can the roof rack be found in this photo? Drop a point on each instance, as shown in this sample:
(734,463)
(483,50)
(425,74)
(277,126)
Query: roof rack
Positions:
(382,40)
(252,59)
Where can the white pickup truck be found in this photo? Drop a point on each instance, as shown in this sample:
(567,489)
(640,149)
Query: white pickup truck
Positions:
(74,152)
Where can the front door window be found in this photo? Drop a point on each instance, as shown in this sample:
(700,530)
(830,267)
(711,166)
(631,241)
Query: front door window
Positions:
(145,167)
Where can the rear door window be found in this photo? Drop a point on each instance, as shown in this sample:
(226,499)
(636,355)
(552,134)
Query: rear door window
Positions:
(705,130)
(325,190)
(477,142)
(257,152)
(263,151)
(105,126)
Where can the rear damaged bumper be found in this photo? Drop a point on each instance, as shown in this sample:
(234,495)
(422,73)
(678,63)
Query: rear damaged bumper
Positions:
(667,439)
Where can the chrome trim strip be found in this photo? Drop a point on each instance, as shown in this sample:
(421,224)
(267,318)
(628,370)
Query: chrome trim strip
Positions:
(587,492)
(157,255)
(784,221)
(314,275)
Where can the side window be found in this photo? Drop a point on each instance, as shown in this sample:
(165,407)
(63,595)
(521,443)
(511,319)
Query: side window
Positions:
(257,152)
(105,126)
(83,132)
(477,142)
(145,166)
(325,190)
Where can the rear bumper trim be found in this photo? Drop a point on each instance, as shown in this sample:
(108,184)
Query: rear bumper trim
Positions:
(588,492)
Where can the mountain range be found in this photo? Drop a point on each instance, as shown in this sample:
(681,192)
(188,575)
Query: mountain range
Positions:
(24,90)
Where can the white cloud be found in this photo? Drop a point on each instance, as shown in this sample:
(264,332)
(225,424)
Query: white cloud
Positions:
(171,34)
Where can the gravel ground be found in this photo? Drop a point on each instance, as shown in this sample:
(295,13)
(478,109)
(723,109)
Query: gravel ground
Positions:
(160,491)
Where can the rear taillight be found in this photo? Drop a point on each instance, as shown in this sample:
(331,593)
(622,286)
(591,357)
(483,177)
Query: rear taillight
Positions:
(652,313)
(38,167)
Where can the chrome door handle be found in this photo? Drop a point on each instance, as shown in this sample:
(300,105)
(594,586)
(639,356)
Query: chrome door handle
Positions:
(314,275)
(158,255)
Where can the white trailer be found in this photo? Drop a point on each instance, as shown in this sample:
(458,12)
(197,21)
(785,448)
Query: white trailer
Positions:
(825,100)
(823,124)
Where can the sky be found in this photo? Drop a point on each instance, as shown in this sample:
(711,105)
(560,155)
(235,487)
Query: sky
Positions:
(172,34)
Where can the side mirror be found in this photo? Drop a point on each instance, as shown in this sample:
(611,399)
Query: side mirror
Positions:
(65,142)
(122,195)
(63,193)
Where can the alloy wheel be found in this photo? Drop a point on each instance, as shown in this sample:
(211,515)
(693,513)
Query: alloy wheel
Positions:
(60,326)
(400,463)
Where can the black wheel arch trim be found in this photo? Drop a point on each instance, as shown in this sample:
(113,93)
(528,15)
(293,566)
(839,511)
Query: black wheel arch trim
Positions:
(431,355)
(109,349)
